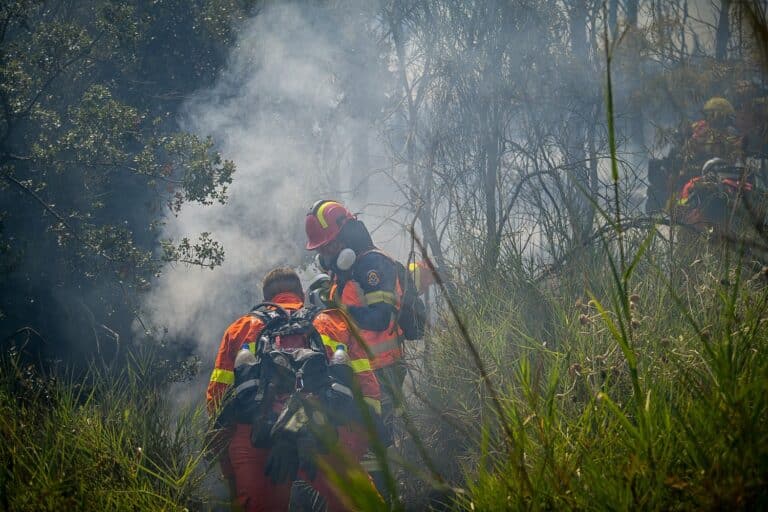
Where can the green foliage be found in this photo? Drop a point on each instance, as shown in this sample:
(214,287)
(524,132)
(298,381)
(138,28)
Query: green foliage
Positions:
(694,437)
(652,396)
(65,128)
(91,158)
(111,441)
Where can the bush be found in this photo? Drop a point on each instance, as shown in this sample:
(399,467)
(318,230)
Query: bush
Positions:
(108,441)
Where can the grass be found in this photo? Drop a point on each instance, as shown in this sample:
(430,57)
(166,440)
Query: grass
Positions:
(109,441)
(680,424)
(645,389)
(635,379)
(613,390)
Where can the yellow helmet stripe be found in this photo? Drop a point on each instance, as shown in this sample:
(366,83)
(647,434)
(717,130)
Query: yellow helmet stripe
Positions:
(321,213)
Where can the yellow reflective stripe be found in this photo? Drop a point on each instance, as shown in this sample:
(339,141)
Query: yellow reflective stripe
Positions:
(223,376)
(375,404)
(360,365)
(321,213)
(384,346)
(332,343)
(376,297)
(252,347)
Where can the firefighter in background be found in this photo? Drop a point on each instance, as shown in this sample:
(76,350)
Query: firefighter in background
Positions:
(365,283)
(713,136)
(422,276)
(245,464)
(707,201)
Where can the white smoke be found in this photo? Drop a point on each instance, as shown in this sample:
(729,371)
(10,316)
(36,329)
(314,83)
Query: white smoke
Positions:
(296,109)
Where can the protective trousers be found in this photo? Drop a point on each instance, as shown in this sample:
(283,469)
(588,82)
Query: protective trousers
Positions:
(391,379)
(257,493)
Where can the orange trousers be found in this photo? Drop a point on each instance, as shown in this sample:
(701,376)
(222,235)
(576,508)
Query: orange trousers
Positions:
(257,493)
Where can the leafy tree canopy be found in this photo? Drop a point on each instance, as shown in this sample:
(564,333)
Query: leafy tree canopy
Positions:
(91,158)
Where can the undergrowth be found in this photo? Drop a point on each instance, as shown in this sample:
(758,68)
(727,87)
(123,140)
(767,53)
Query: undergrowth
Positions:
(635,381)
(111,440)
(673,417)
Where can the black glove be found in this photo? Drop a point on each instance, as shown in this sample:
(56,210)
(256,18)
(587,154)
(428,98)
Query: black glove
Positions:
(283,461)
(307,449)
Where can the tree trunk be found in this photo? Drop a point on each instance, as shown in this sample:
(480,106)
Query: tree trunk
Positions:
(723,34)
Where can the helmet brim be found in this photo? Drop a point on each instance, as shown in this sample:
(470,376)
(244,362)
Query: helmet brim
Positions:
(312,247)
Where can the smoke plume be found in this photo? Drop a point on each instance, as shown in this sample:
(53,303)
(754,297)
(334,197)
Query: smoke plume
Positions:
(296,108)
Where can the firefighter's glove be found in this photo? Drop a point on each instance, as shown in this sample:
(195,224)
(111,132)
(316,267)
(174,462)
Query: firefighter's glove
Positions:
(283,461)
(341,406)
(316,438)
(307,449)
(319,434)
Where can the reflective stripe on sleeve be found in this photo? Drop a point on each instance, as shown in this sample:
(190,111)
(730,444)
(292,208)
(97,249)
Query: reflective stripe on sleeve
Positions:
(370,463)
(332,343)
(358,365)
(373,403)
(380,296)
(223,376)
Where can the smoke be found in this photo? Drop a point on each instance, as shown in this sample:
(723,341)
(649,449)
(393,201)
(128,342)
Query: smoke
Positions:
(296,108)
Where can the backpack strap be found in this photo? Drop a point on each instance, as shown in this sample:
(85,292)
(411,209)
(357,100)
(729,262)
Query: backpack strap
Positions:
(270,314)
(269,311)
(302,322)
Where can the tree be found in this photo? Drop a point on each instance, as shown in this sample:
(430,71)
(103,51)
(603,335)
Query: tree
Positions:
(91,159)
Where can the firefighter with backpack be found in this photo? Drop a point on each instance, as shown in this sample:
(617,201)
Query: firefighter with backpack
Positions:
(292,390)
(375,291)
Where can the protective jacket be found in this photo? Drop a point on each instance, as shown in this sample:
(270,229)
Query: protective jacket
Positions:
(371,292)
(706,142)
(245,463)
(332,328)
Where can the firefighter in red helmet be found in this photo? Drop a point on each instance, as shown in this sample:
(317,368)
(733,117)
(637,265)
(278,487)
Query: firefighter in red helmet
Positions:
(365,282)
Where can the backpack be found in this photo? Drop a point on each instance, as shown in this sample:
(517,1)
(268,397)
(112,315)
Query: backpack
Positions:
(412,317)
(279,370)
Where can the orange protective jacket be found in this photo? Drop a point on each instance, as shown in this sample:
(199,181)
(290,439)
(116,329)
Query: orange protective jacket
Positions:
(244,464)
(333,330)
(373,282)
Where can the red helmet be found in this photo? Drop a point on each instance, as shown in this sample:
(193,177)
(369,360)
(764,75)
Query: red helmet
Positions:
(324,222)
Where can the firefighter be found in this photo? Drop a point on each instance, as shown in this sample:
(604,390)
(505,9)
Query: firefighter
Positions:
(713,136)
(707,199)
(365,282)
(245,464)
(422,276)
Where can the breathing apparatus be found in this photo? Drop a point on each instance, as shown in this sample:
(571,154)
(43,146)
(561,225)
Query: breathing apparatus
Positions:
(344,261)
